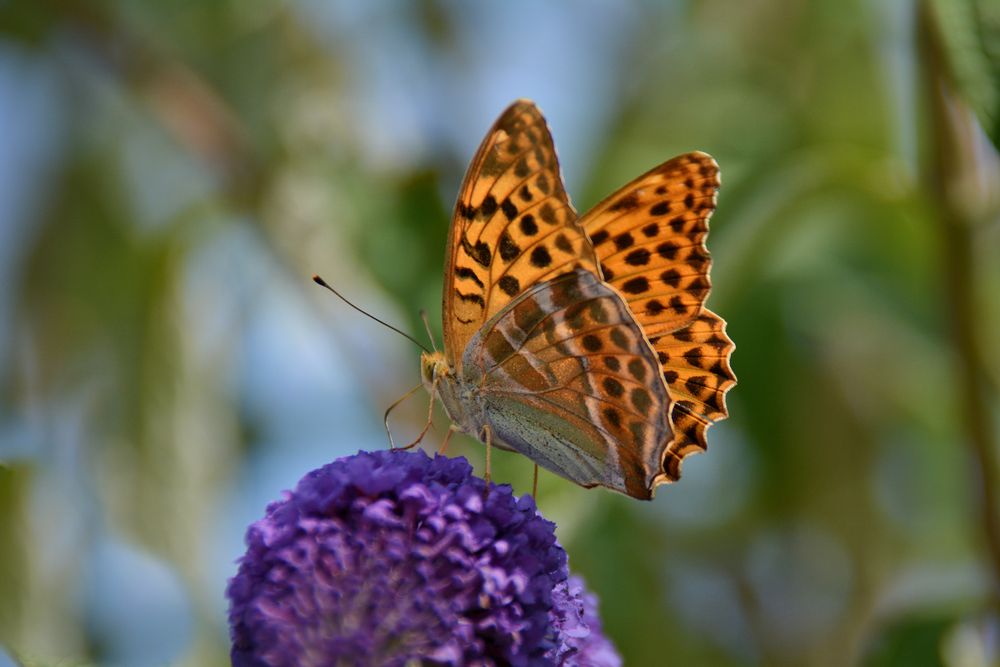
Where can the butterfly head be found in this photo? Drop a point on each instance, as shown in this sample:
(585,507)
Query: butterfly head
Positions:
(434,368)
(441,381)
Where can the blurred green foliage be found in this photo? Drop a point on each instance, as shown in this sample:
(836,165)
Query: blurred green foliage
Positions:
(174,171)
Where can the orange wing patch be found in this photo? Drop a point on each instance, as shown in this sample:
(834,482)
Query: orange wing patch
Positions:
(513,225)
(649,238)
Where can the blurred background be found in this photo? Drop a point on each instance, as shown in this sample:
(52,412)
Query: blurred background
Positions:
(171,174)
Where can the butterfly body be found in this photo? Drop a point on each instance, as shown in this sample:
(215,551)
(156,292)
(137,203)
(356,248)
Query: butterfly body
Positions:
(581,343)
(457,393)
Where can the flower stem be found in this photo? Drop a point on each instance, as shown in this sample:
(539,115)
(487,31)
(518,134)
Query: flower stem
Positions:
(950,160)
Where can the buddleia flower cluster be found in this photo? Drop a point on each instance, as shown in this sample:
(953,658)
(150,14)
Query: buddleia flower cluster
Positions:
(396,558)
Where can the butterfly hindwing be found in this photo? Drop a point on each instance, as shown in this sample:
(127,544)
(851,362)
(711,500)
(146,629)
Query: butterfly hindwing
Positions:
(695,362)
(568,379)
(513,225)
(649,238)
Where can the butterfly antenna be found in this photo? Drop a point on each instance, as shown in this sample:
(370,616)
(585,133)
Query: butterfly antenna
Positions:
(322,283)
(385,417)
(427,327)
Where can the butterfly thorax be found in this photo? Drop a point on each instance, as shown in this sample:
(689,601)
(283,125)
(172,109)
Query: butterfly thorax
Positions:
(457,394)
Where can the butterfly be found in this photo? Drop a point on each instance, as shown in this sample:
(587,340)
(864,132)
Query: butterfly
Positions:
(581,342)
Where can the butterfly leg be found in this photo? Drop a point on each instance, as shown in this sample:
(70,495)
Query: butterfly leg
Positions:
(534,484)
(447,437)
(385,417)
(430,419)
(488,439)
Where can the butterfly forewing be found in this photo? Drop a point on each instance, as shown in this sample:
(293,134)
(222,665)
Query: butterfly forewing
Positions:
(513,225)
(569,380)
(649,238)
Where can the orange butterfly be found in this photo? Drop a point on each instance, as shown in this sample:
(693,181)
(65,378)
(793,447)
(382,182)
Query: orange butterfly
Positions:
(581,342)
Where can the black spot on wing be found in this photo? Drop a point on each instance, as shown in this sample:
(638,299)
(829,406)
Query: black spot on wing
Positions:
(693,357)
(696,385)
(684,334)
(467,211)
(547,213)
(509,209)
(613,387)
(597,238)
(619,338)
(528,225)
(626,203)
(479,252)
(471,298)
(671,277)
(661,208)
(717,342)
(698,288)
(623,241)
(591,343)
(469,274)
(574,316)
(508,248)
(509,285)
(641,400)
(638,257)
(488,207)
(540,257)
(597,311)
(667,250)
(636,285)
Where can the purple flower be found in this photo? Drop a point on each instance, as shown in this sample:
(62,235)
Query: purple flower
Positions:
(386,557)
(574,615)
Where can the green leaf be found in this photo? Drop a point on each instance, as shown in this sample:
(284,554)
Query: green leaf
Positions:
(970,30)
(912,642)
